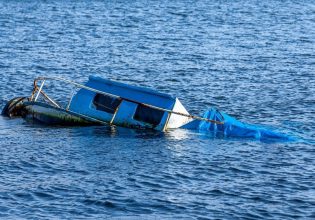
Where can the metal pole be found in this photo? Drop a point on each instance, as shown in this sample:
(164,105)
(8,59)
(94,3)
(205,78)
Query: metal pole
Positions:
(68,106)
(49,99)
(116,110)
(40,89)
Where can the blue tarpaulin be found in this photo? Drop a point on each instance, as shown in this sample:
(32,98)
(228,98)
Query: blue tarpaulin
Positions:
(234,128)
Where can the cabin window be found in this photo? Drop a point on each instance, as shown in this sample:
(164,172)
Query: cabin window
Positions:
(148,115)
(106,103)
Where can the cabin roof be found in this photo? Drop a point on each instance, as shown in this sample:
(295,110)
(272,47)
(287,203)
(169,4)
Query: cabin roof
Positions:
(130,92)
(129,87)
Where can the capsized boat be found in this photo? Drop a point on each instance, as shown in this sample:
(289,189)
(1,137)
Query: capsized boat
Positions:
(101,101)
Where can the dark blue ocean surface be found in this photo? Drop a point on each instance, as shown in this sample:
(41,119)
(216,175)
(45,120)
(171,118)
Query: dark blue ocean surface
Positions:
(254,60)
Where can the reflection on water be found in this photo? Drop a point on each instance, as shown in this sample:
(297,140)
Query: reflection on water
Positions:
(179,134)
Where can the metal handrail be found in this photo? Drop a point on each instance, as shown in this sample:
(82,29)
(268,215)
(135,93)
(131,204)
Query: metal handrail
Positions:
(115,96)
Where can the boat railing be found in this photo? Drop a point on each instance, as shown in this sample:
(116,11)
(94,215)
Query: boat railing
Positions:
(37,90)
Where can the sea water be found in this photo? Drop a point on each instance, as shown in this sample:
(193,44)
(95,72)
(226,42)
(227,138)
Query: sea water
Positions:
(252,59)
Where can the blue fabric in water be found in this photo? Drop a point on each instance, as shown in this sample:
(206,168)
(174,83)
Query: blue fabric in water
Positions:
(234,128)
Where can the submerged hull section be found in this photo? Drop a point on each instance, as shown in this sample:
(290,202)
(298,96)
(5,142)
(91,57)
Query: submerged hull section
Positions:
(48,114)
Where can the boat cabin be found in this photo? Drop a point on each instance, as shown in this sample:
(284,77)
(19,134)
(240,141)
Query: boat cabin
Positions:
(128,106)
